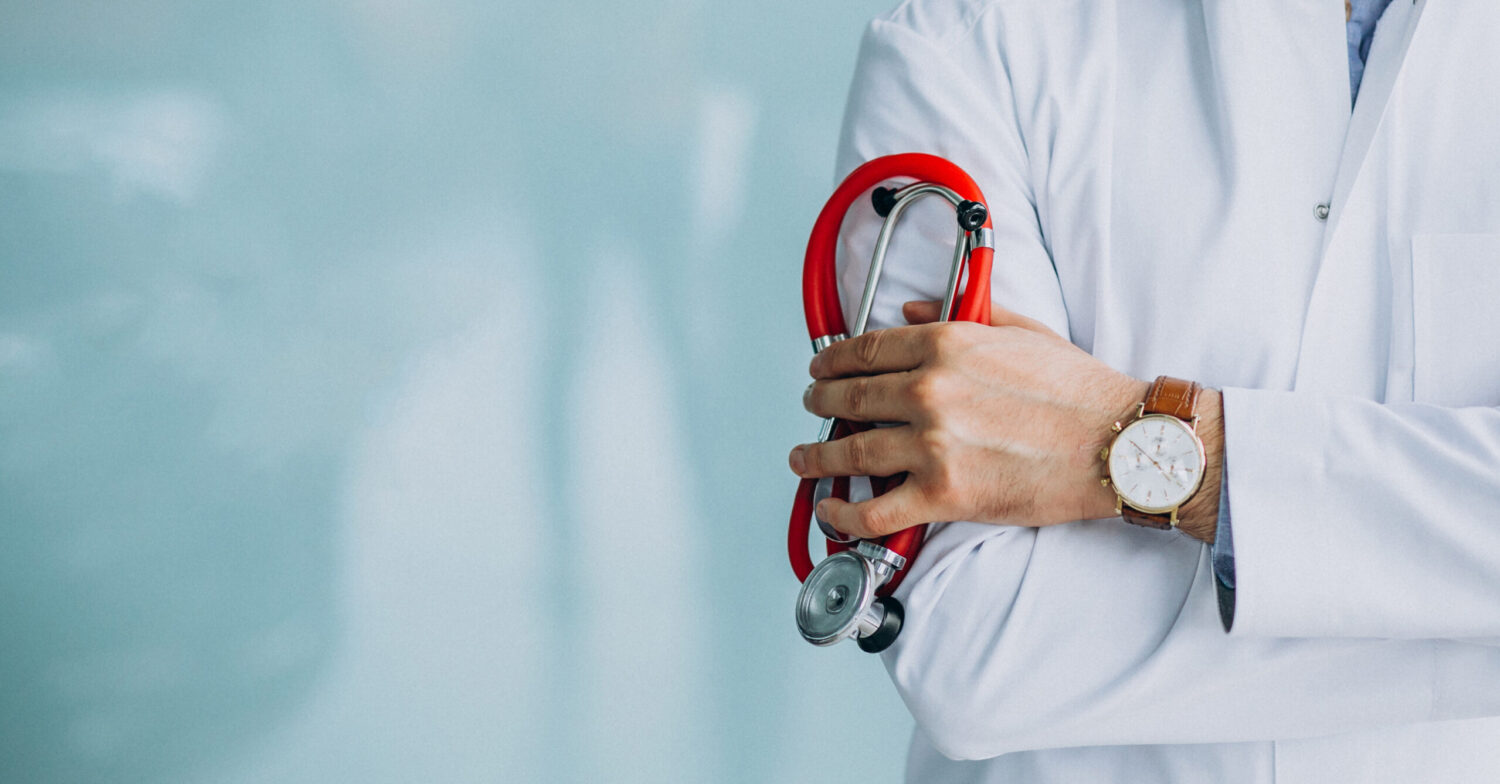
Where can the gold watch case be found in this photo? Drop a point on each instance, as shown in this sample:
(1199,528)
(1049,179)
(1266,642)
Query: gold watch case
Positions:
(1119,429)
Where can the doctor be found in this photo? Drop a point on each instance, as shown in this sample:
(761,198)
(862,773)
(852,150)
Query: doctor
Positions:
(1181,190)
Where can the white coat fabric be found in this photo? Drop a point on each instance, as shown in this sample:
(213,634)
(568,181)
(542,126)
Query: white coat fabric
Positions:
(1154,169)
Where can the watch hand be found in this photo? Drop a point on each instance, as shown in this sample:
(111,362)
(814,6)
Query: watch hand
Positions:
(1143,454)
(1164,471)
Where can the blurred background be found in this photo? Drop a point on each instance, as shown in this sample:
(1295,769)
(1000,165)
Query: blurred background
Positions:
(400,390)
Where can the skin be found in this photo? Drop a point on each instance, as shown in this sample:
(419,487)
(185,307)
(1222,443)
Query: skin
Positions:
(998,424)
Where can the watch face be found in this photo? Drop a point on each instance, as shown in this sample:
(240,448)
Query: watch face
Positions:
(1156,463)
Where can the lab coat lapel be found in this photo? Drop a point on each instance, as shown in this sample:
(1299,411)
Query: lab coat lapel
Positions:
(1346,333)
(1381,71)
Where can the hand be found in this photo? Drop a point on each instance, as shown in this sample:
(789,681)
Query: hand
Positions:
(999,424)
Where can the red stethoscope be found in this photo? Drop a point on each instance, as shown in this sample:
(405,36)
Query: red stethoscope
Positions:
(848,594)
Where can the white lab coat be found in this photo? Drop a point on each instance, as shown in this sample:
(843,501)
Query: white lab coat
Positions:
(1154,168)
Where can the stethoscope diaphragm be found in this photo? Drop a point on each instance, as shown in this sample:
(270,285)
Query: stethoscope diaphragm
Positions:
(838,601)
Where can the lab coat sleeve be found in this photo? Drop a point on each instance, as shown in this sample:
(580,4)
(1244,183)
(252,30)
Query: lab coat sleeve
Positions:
(909,97)
(1091,633)
(1358,519)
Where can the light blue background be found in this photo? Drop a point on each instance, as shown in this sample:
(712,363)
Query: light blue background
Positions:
(399,390)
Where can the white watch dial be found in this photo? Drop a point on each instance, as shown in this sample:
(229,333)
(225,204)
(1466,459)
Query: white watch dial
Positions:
(1156,463)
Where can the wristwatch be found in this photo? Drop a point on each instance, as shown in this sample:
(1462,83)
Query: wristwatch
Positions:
(1155,463)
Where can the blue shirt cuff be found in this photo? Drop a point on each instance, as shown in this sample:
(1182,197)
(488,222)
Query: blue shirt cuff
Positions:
(1222,554)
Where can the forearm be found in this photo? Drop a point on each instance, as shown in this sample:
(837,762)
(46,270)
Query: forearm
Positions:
(1355,518)
(1101,633)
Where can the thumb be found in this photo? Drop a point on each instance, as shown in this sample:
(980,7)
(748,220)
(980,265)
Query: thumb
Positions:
(926,311)
(875,517)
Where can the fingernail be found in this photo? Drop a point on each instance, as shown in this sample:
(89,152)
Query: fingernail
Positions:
(815,366)
(798,460)
(807,397)
(821,510)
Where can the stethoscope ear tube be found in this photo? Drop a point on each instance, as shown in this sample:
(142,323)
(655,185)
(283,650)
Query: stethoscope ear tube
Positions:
(820,291)
(797,531)
(876,619)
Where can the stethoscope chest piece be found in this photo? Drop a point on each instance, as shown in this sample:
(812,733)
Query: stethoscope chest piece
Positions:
(848,594)
(838,601)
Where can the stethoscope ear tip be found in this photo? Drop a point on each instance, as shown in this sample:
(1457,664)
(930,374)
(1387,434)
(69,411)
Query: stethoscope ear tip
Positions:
(890,626)
(972,215)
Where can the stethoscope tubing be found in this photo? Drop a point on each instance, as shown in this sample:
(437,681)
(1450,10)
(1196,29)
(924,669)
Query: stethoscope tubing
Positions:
(826,323)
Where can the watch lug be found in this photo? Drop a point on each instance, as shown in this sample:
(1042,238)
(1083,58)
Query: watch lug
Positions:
(1119,504)
(1174,518)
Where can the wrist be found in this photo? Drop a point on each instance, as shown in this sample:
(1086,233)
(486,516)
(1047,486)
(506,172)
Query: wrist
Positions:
(1171,443)
(1199,516)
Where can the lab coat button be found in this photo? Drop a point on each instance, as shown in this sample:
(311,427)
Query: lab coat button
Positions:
(1321,211)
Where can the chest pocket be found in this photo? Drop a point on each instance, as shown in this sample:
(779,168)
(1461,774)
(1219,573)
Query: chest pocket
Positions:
(1456,319)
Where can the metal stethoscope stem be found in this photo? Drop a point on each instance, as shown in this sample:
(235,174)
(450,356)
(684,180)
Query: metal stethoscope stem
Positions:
(848,593)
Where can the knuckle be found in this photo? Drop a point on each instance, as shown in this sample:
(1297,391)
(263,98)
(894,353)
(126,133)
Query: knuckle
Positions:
(857,396)
(919,389)
(935,445)
(947,338)
(927,390)
(813,459)
(867,350)
(857,453)
(937,341)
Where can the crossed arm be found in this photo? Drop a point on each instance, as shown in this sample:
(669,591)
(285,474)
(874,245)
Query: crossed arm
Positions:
(1099,633)
(998,424)
(1021,636)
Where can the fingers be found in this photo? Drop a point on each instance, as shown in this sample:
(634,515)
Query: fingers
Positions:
(903,348)
(927,311)
(882,515)
(922,311)
(881,351)
(861,399)
(883,451)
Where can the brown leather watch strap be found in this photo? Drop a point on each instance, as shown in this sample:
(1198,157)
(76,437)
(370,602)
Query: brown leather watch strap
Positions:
(1173,397)
(1160,522)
